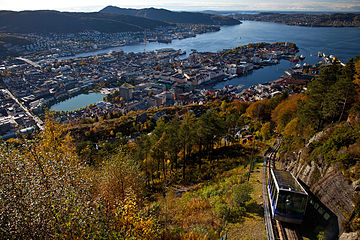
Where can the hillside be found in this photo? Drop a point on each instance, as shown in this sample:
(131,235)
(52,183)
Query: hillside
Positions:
(321,140)
(185,175)
(66,22)
(308,20)
(8,44)
(173,17)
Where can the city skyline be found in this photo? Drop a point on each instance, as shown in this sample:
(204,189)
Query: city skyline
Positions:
(187,5)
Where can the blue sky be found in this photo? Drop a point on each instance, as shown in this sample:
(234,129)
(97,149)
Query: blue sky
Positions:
(95,5)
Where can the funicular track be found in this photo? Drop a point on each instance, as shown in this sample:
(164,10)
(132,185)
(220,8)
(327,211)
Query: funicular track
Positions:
(287,231)
(275,229)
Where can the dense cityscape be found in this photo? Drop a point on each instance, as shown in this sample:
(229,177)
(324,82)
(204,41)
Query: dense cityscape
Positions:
(141,80)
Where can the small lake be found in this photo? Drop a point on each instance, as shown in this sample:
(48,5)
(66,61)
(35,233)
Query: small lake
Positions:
(78,102)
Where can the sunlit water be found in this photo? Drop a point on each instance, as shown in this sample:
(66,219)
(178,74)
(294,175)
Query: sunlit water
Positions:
(78,102)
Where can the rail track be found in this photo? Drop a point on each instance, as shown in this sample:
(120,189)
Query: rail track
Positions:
(287,231)
(275,229)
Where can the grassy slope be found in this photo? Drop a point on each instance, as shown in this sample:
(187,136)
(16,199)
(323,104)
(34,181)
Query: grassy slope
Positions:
(252,226)
(199,213)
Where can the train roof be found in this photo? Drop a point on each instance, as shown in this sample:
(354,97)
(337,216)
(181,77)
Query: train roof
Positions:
(286,181)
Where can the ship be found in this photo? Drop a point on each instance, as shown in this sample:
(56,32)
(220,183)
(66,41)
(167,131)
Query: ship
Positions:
(302,57)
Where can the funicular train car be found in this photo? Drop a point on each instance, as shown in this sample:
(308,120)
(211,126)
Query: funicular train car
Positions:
(288,199)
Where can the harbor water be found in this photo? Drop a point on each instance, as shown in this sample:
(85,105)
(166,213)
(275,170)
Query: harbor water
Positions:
(340,42)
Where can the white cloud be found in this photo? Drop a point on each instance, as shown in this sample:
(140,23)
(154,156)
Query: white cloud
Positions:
(95,5)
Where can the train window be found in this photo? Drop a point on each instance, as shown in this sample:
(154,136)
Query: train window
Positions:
(316,205)
(291,203)
(275,196)
(326,216)
(272,186)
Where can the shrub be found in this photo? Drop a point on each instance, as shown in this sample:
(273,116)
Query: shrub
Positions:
(241,195)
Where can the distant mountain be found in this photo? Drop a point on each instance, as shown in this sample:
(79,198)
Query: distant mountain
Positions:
(66,22)
(305,19)
(173,17)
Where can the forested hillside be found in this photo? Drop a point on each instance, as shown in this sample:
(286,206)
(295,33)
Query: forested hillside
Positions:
(173,17)
(70,22)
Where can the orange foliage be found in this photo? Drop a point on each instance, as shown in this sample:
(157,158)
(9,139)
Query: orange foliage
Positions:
(357,75)
(286,111)
(259,110)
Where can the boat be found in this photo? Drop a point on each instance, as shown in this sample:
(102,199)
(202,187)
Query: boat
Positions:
(164,40)
(297,66)
(302,57)
(181,52)
(319,54)
(295,59)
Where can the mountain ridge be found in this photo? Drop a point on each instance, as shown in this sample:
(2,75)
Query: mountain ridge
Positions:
(44,21)
(173,17)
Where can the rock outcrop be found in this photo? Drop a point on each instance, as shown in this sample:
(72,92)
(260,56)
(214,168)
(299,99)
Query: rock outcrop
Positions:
(350,236)
(326,183)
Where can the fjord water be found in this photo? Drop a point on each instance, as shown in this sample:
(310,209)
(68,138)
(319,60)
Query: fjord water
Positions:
(340,42)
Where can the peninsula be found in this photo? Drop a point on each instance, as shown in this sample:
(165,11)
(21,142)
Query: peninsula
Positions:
(305,19)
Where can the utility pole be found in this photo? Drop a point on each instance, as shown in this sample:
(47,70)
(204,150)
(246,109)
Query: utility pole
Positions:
(251,159)
(165,203)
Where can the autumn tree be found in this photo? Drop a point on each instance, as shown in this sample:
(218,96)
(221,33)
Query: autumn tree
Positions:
(47,193)
(186,135)
(266,131)
(143,157)
(260,110)
(286,111)
(172,142)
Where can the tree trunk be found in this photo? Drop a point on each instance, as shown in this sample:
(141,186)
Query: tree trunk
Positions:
(184,163)
(343,109)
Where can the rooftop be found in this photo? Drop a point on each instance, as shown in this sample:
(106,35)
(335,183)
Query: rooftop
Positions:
(287,181)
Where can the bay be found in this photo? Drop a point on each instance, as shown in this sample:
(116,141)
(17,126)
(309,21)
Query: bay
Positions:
(340,42)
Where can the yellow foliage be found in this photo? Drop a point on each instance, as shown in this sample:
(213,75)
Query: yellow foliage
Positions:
(357,75)
(266,131)
(292,127)
(285,111)
(193,236)
(130,221)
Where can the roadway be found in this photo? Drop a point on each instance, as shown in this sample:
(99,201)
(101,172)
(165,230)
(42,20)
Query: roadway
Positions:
(29,61)
(39,122)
